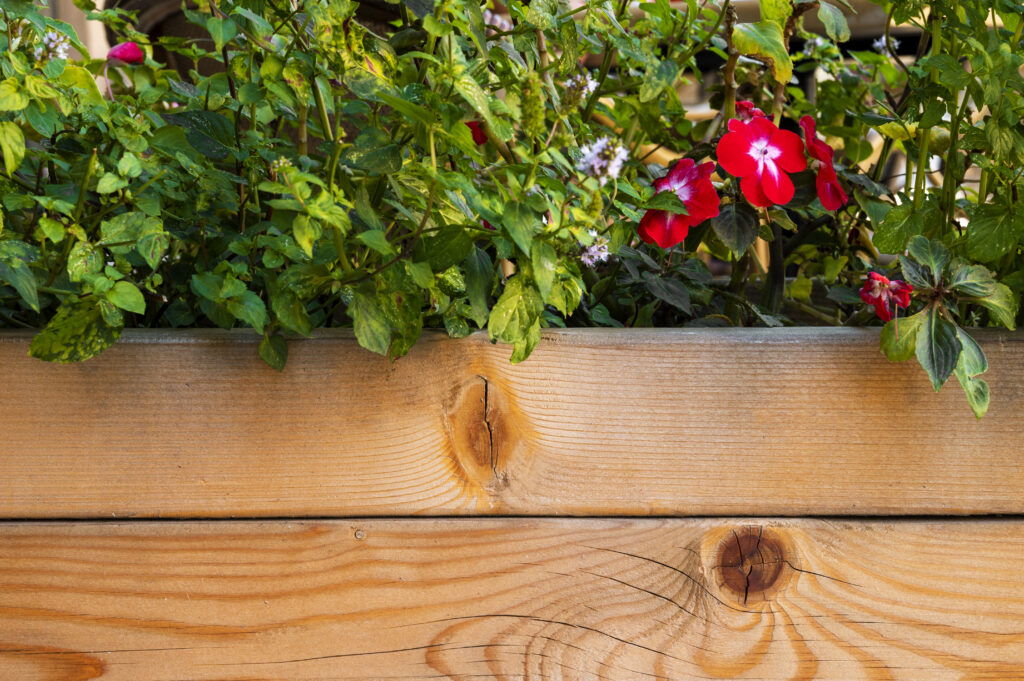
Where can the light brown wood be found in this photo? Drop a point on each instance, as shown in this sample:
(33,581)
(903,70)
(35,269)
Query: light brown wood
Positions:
(512,599)
(646,422)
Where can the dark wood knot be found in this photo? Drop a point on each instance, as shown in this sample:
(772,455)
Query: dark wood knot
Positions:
(753,564)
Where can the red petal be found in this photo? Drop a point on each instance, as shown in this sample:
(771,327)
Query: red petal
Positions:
(792,159)
(129,53)
(777,186)
(882,309)
(704,203)
(830,192)
(815,147)
(663,228)
(681,173)
(751,188)
(479,136)
(733,152)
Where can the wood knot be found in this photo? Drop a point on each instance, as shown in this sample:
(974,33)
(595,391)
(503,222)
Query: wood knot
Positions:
(752,564)
(477,422)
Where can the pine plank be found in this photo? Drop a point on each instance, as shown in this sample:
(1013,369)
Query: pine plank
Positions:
(512,599)
(596,422)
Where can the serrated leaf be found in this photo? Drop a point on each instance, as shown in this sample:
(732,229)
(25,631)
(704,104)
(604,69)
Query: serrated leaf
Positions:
(127,296)
(834,21)
(736,226)
(421,273)
(938,348)
(915,274)
(930,254)
(764,40)
(249,308)
(274,351)
(18,274)
(521,223)
(12,98)
(222,30)
(152,247)
(1001,303)
(479,278)
(306,233)
(995,229)
(110,183)
(83,259)
(12,143)
(671,291)
(901,223)
(971,364)
(899,337)
(972,280)
(377,240)
(544,260)
(515,318)
(289,310)
(369,322)
(76,333)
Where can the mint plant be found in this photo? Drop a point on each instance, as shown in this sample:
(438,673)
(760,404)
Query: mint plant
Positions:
(466,170)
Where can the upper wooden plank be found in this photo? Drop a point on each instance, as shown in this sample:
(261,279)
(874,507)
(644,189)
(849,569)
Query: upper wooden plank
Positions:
(674,422)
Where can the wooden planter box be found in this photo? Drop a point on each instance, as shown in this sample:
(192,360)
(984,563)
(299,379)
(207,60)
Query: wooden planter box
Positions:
(660,504)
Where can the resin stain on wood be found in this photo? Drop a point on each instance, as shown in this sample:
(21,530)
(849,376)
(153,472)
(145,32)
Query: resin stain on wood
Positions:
(512,599)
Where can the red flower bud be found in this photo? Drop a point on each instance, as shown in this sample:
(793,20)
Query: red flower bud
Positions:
(129,53)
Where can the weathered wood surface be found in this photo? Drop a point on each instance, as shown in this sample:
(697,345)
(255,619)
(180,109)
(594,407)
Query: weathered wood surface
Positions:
(655,422)
(512,599)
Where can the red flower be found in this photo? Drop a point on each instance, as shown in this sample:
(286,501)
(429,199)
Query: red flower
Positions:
(830,192)
(129,53)
(746,111)
(692,184)
(479,136)
(761,155)
(885,294)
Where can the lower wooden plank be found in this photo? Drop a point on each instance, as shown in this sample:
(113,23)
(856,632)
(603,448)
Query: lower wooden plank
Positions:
(512,599)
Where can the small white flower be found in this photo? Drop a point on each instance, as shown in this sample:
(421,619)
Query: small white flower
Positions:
(54,46)
(595,252)
(583,85)
(603,159)
(879,45)
(280,164)
(815,43)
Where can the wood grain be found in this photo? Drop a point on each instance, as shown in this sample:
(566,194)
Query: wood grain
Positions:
(647,422)
(512,599)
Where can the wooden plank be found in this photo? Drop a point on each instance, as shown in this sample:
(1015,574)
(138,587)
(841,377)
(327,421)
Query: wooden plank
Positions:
(651,422)
(512,599)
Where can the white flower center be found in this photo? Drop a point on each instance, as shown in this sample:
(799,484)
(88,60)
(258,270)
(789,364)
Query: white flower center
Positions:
(765,155)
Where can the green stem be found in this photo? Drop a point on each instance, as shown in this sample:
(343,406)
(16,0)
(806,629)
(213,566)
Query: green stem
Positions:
(602,75)
(90,168)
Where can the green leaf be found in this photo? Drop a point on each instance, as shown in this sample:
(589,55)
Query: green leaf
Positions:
(12,143)
(971,364)
(776,11)
(75,333)
(447,247)
(377,240)
(899,337)
(274,351)
(544,260)
(249,308)
(916,274)
(521,223)
(995,229)
(83,259)
(110,183)
(127,296)
(306,233)
(1001,303)
(369,323)
(18,274)
(901,223)
(477,98)
(421,273)
(764,40)
(672,291)
(938,348)
(84,83)
(542,13)
(479,278)
(290,311)
(667,200)
(833,266)
(931,254)
(737,226)
(973,280)
(221,30)
(12,98)
(152,247)
(835,22)
(515,318)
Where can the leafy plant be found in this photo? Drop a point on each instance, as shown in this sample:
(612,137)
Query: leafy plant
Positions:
(466,172)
